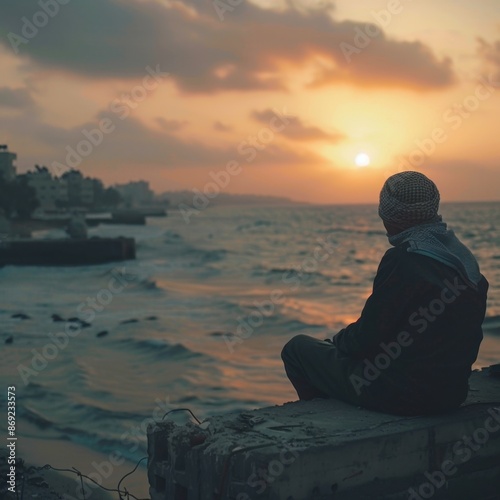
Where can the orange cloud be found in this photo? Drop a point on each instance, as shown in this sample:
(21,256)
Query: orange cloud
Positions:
(385,62)
(297,130)
(171,125)
(18,98)
(247,51)
(489,54)
(221,127)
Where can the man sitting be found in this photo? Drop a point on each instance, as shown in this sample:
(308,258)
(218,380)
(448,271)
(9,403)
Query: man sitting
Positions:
(411,350)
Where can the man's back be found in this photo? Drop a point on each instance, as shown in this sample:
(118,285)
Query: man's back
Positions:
(417,336)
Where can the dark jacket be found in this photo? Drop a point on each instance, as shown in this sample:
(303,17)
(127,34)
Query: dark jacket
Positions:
(417,337)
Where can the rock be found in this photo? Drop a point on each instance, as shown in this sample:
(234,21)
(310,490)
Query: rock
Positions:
(20,316)
(221,334)
(57,319)
(9,339)
(151,318)
(131,320)
(83,324)
(102,333)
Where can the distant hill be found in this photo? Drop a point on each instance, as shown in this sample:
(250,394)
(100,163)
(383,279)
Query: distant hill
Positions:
(189,198)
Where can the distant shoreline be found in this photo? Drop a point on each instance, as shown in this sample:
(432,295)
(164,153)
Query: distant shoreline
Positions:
(185,197)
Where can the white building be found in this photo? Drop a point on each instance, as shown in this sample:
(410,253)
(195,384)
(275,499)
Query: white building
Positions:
(49,190)
(7,167)
(135,193)
(80,188)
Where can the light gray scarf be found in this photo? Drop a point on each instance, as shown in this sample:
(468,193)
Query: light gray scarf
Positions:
(436,241)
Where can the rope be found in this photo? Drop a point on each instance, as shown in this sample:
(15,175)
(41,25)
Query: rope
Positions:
(184,409)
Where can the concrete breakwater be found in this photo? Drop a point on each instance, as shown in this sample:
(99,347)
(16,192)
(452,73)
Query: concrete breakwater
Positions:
(326,449)
(66,252)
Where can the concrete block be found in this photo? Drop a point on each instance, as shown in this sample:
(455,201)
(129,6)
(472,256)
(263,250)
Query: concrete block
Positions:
(328,449)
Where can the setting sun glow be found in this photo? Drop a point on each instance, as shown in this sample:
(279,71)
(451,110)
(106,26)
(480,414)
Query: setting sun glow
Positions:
(362,160)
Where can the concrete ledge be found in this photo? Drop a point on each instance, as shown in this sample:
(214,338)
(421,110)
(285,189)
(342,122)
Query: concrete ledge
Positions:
(327,449)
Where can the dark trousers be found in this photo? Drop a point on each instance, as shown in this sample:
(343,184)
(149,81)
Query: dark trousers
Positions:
(317,369)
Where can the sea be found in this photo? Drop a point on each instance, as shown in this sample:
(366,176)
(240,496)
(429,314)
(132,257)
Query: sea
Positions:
(197,321)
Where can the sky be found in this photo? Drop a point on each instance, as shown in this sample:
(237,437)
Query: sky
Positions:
(288,98)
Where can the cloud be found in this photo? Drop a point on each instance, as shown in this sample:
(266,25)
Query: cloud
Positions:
(297,130)
(18,98)
(248,51)
(455,182)
(489,54)
(171,125)
(132,143)
(221,127)
(388,63)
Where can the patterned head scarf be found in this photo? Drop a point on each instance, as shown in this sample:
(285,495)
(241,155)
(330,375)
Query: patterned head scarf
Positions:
(407,199)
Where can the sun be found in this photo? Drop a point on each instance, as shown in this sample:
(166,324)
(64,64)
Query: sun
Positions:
(362,160)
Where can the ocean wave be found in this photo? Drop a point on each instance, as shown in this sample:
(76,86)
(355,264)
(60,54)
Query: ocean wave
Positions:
(129,444)
(296,325)
(367,231)
(292,278)
(128,427)
(95,418)
(38,391)
(206,256)
(196,256)
(287,273)
(180,248)
(491,320)
(36,417)
(159,347)
(491,325)
(146,284)
(259,223)
(172,237)
(92,412)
